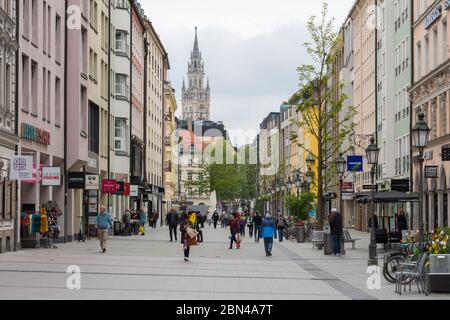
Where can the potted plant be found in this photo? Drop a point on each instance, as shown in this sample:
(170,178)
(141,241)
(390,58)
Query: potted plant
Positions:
(439,261)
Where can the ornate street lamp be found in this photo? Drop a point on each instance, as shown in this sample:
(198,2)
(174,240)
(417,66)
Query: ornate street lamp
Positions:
(341,168)
(372,153)
(289,187)
(420,135)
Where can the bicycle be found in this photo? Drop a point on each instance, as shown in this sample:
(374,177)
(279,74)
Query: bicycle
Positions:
(289,234)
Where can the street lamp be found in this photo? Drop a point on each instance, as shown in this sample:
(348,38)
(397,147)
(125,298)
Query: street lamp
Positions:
(341,168)
(372,153)
(289,187)
(420,134)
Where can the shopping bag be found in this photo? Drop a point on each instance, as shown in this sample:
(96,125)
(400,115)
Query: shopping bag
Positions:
(192,241)
(141,229)
(238,238)
(191,233)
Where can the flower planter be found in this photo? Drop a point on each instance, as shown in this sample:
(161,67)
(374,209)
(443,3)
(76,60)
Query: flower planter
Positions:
(439,273)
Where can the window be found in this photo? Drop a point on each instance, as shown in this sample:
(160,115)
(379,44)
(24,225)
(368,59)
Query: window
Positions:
(121,85)
(49,97)
(49,30)
(94,140)
(123,4)
(190,176)
(58,102)
(83,113)
(93,64)
(44,93)
(121,41)
(44,27)
(26,18)
(418,62)
(8,87)
(34,21)
(93,14)
(34,87)
(435,48)
(120,134)
(84,51)
(25,82)
(58,38)
(444,41)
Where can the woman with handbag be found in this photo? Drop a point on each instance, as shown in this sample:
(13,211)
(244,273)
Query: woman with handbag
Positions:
(188,236)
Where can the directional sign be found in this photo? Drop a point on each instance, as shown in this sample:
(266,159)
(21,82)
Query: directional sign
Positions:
(354,163)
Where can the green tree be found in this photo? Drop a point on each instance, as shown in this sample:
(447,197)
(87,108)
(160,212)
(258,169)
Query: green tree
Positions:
(300,206)
(319,106)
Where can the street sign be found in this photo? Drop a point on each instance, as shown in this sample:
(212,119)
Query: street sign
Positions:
(21,168)
(369,187)
(431,172)
(348,196)
(354,163)
(446,153)
(401,185)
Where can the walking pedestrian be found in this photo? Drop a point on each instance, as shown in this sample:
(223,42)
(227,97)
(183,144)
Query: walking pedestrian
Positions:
(234,230)
(226,220)
(215,218)
(250,225)
(172,221)
(185,239)
(336,230)
(198,227)
(126,219)
(281,225)
(142,221)
(257,220)
(242,224)
(104,223)
(402,222)
(268,232)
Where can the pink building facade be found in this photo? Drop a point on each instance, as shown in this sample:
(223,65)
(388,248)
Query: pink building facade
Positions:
(41,68)
(430,94)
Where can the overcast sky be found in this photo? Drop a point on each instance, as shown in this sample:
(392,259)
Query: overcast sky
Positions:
(251,50)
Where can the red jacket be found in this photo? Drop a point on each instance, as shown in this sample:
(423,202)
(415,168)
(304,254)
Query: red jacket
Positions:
(234,225)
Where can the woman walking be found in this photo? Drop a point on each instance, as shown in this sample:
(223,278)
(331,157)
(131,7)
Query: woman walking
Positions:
(234,230)
(268,232)
(185,239)
(242,224)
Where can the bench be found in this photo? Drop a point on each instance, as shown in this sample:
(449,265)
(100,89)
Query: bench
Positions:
(348,239)
(317,239)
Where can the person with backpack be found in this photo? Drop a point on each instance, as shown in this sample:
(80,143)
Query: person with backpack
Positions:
(281,225)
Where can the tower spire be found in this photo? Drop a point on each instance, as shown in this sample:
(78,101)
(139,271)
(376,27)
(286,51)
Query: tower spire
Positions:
(196,48)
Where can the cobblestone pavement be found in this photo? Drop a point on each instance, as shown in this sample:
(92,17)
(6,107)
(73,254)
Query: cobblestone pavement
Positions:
(152,267)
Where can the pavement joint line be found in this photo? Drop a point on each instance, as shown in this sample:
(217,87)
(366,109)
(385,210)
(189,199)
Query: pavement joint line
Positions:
(170,291)
(157,275)
(338,284)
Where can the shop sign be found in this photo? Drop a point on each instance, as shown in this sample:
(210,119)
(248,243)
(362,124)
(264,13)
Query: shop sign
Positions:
(446,153)
(109,186)
(348,196)
(431,172)
(401,185)
(435,14)
(21,168)
(93,201)
(126,189)
(348,186)
(355,163)
(76,180)
(134,191)
(32,133)
(120,187)
(51,176)
(92,182)
(369,187)
(428,155)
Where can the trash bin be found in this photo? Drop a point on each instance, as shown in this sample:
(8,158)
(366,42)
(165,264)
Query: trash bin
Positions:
(327,247)
(300,234)
(117,228)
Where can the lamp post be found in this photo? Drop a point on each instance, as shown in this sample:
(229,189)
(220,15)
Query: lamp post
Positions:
(277,198)
(372,153)
(341,168)
(420,135)
(289,186)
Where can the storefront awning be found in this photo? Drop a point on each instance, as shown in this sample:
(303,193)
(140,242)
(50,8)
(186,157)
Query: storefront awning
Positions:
(390,197)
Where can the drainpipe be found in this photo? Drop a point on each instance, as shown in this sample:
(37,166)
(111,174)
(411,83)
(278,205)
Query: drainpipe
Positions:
(144,180)
(66,173)
(411,166)
(163,129)
(109,100)
(16,132)
(131,94)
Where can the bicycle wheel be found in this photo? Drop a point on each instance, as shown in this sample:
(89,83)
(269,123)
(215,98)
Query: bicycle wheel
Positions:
(390,267)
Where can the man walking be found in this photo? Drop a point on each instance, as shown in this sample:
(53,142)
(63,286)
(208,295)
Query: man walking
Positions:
(281,225)
(104,223)
(336,230)
(215,218)
(257,220)
(172,222)
(268,232)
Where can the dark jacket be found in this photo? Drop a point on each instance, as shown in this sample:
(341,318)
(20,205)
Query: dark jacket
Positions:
(183,227)
(335,221)
(215,216)
(234,225)
(172,219)
(402,222)
(281,223)
(257,220)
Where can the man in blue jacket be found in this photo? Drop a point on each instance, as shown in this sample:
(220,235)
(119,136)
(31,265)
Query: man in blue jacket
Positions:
(103,224)
(268,232)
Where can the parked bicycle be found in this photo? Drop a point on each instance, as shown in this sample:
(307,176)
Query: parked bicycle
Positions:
(289,233)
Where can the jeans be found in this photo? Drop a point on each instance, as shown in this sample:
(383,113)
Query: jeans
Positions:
(233,239)
(173,229)
(280,234)
(215,224)
(257,233)
(268,243)
(336,241)
(242,230)
(250,230)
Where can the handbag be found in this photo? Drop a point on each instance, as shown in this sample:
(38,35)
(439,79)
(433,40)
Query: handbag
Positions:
(192,241)
(191,233)
(141,229)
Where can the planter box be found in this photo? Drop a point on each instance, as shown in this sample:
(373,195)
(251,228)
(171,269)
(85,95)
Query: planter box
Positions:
(439,273)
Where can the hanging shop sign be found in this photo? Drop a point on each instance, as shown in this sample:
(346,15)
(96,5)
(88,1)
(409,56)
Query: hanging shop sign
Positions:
(369,187)
(92,182)
(21,168)
(93,201)
(348,187)
(348,196)
(126,189)
(134,191)
(32,133)
(431,172)
(109,186)
(354,163)
(51,176)
(401,185)
(76,180)
(431,18)
(446,153)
